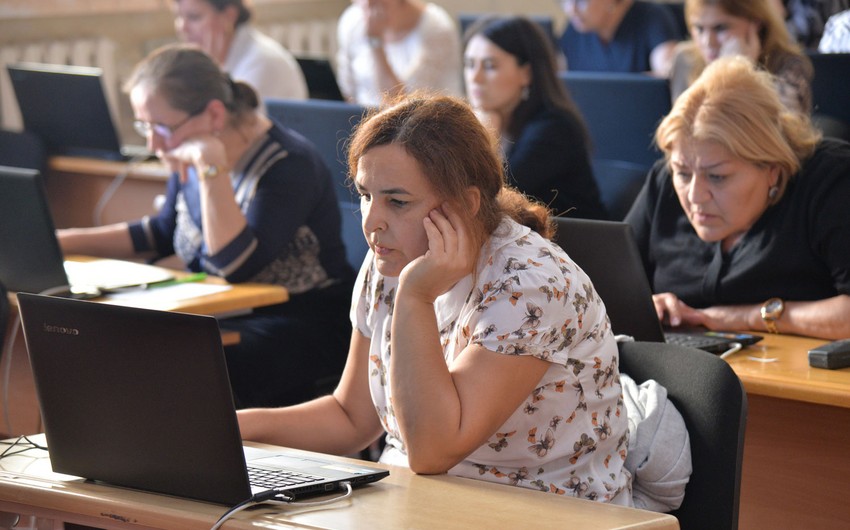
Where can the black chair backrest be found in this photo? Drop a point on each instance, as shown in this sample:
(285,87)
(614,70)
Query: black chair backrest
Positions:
(831,88)
(622,111)
(328,124)
(546,23)
(22,149)
(712,401)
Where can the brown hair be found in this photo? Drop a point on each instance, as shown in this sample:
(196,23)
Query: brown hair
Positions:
(455,153)
(189,79)
(736,105)
(776,43)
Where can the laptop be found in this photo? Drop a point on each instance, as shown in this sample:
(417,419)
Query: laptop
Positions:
(608,253)
(66,107)
(141,399)
(30,258)
(320,77)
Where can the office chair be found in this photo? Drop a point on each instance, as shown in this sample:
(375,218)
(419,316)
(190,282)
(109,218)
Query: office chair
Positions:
(622,111)
(22,149)
(713,403)
(831,93)
(328,125)
(546,23)
(352,233)
(619,183)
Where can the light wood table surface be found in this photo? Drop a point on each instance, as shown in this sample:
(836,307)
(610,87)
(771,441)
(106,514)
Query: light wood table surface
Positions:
(796,472)
(402,500)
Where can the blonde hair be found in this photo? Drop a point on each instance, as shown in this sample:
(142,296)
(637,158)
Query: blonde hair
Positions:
(737,106)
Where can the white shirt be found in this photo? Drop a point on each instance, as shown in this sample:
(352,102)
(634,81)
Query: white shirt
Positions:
(429,57)
(262,62)
(570,436)
(836,34)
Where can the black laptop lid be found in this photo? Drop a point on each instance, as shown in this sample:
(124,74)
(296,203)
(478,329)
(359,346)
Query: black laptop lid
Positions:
(153,413)
(607,252)
(66,106)
(30,258)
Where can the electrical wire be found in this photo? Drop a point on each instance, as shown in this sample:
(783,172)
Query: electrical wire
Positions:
(7,357)
(272,496)
(733,347)
(31,445)
(113,187)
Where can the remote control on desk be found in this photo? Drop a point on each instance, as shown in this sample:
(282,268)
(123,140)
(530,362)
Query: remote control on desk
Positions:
(832,355)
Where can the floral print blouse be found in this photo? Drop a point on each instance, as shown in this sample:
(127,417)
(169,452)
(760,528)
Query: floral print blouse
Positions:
(527,298)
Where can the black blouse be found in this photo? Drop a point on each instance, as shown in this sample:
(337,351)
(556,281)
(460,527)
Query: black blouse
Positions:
(799,249)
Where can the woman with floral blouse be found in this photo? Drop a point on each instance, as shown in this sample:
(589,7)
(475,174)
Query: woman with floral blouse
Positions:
(479,347)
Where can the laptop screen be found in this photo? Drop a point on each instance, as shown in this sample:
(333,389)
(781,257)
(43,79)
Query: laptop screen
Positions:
(30,258)
(66,106)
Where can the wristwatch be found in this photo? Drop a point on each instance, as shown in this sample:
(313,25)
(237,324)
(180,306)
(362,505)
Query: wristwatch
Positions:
(771,311)
(208,172)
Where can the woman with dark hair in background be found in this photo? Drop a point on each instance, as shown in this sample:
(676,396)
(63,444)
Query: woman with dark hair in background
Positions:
(511,82)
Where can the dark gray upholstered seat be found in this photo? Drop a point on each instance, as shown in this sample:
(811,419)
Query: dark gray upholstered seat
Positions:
(712,401)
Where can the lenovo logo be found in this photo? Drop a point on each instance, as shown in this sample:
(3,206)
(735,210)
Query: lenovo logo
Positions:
(62,330)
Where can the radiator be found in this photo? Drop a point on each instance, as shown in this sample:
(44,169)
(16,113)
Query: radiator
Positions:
(80,52)
(314,38)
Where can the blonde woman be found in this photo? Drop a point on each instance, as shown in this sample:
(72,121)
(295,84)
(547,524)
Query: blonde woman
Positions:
(744,226)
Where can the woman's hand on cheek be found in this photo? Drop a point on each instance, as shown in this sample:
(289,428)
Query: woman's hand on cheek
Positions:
(450,256)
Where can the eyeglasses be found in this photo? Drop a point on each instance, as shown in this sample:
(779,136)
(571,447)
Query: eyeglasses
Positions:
(145,128)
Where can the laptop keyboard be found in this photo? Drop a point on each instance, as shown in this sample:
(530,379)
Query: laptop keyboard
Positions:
(278,478)
(700,342)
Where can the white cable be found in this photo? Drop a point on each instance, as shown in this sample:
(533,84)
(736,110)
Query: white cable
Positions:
(7,371)
(249,503)
(113,187)
(733,347)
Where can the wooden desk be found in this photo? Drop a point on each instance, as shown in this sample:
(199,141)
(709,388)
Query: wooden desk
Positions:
(402,500)
(75,185)
(24,417)
(796,470)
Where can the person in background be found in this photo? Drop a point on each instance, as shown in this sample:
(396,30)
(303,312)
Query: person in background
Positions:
(248,201)
(836,35)
(222,29)
(744,225)
(752,29)
(478,346)
(619,36)
(390,47)
(806,19)
(511,82)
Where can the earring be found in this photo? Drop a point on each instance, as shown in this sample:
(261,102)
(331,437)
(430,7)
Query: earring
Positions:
(772,192)
(525,93)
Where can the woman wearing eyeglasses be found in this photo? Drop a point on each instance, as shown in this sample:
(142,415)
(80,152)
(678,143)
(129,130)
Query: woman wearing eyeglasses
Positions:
(248,200)
(618,36)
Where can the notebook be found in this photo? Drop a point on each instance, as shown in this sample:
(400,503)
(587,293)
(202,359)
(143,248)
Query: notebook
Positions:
(608,253)
(66,107)
(141,399)
(30,258)
(320,77)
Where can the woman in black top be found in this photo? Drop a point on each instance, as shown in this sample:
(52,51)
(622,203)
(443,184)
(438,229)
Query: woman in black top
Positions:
(745,225)
(509,68)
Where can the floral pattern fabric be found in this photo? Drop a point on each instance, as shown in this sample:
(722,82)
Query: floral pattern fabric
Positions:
(570,436)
